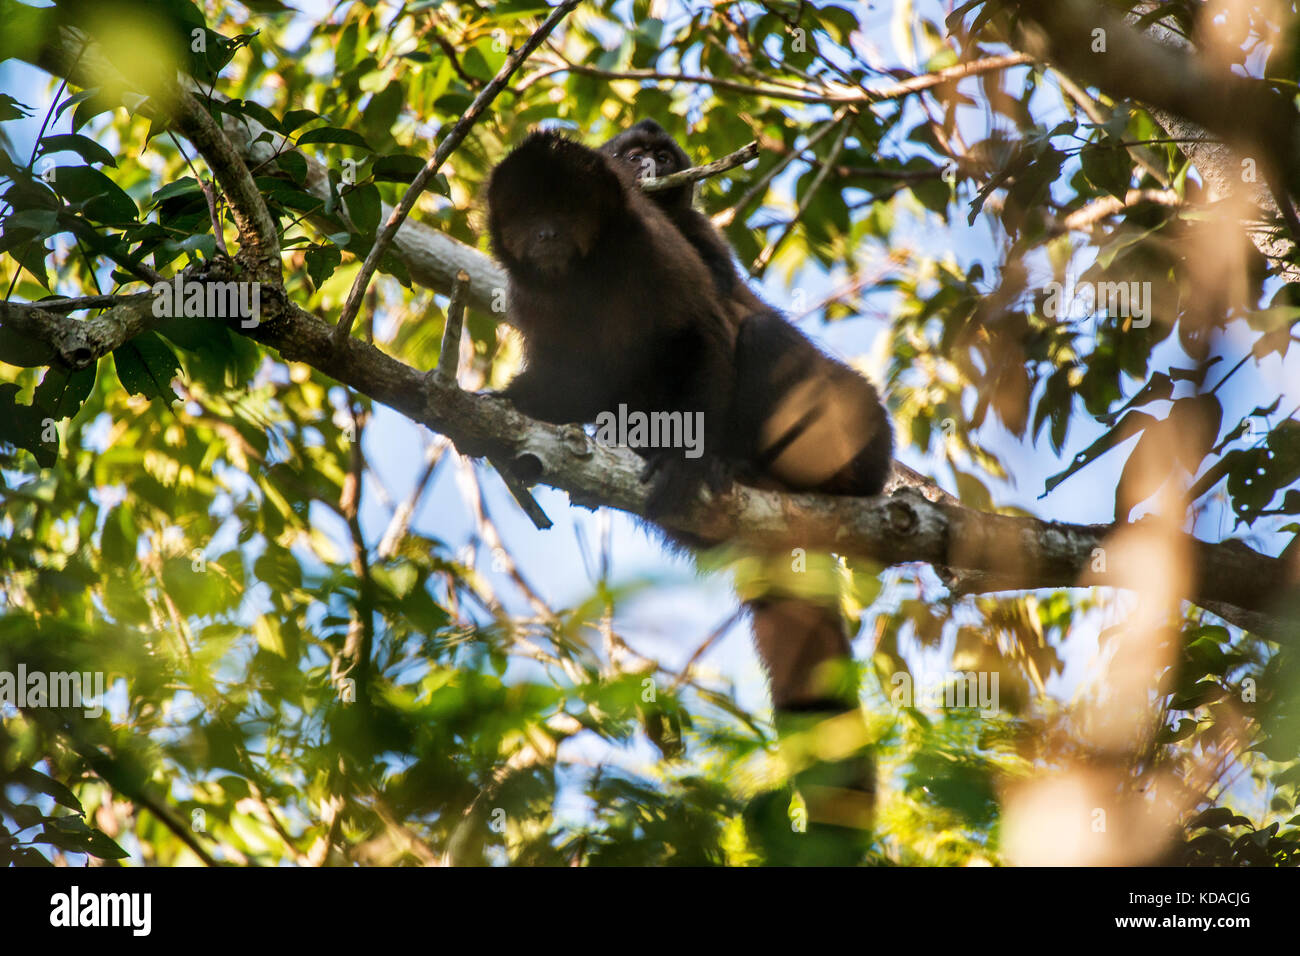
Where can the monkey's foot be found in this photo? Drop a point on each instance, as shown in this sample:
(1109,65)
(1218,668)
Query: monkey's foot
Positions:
(676,480)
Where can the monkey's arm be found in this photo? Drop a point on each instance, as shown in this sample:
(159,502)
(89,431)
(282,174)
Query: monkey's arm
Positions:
(546,394)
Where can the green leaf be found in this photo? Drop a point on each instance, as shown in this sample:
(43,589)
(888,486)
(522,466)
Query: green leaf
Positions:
(1216,817)
(1168,735)
(279,569)
(295,118)
(16,349)
(11,109)
(257,111)
(117,543)
(295,164)
(185,186)
(100,198)
(31,256)
(98,844)
(28,224)
(397,168)
(83,146)
(1130,425)
(321,261)
(1204,692)
(1108,168)
(74,99)
(380,113)
(72,834)
(287,194)
(146,366)
(36,781)
(364,207)
(24,426)
(62,391)
(333,134)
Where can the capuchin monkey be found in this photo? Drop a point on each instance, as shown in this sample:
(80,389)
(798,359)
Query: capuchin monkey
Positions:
(624,297)
(615,308)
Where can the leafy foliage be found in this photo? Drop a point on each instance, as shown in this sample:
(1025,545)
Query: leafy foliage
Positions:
(286,685)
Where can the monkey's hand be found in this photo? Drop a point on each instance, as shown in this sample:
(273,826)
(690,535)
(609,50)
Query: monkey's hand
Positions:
(542,397)
(675,480)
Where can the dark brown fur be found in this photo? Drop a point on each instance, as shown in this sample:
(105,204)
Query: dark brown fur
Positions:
(804,418)
(625,298)
(614,307)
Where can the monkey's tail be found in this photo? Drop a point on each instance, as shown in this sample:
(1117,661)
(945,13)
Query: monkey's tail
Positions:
(804,646)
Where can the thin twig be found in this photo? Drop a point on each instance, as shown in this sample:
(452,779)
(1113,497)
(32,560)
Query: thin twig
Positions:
(400,523)
(684,674)
(449,356)
(765,257)
(522,495)
(694,174)
(834,94)
(726,217)
(491,535)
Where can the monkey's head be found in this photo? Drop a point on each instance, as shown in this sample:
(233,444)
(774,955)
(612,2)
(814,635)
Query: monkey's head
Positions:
(648,150)
(548,203)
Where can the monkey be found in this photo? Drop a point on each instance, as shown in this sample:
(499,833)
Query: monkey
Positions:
(614,307)
(805,422)
(617,303)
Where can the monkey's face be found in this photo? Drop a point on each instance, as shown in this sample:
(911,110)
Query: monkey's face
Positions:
(549,202)
(647,150)
(549,241)
(648,159)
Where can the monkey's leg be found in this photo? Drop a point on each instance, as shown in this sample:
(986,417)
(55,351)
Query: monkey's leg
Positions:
(695,377)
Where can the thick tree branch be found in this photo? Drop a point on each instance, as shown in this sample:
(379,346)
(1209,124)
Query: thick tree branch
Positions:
(903,528)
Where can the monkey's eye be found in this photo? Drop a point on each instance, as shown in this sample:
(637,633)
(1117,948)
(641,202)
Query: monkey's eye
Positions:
(663,159)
